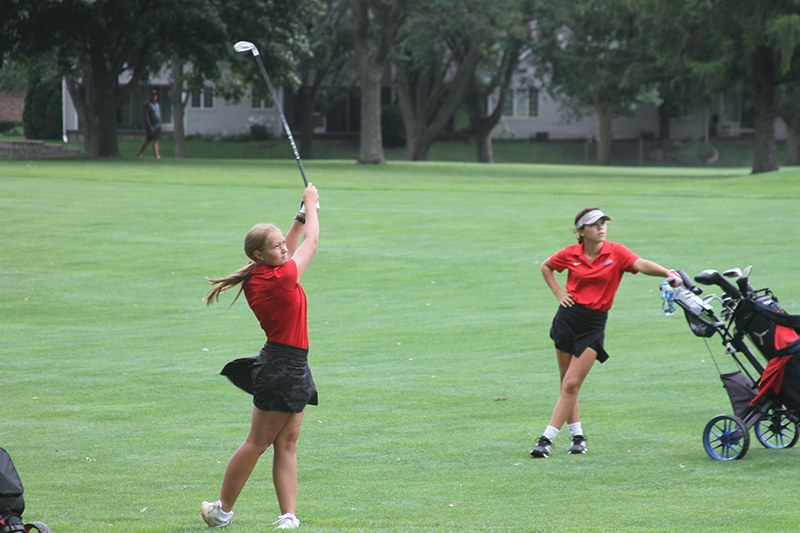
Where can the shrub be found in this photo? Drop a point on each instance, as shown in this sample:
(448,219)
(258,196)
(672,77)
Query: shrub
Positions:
(259,132)
(42,114)
(10,128)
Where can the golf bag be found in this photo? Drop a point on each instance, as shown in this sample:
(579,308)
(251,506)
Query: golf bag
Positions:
(12,504)
(774,333)
(764,398)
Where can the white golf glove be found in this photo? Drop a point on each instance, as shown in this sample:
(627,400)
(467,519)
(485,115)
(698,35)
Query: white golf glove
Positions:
(303,207)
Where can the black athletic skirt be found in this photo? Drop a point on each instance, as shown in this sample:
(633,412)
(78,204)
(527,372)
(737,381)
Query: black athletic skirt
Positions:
(577,328)
(279,378)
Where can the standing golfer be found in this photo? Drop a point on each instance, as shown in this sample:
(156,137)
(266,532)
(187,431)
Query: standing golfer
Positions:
(595,269)
(279,378)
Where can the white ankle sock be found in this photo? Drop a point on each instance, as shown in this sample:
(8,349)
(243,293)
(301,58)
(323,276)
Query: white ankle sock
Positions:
(551,433)
(575,429)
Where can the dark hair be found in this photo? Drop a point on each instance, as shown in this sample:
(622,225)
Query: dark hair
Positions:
(578,217)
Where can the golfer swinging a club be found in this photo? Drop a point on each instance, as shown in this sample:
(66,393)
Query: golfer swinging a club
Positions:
(279,378)
(595,270)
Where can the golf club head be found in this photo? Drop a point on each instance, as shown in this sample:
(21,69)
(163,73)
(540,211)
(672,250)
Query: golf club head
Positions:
(733,273)
(245,46)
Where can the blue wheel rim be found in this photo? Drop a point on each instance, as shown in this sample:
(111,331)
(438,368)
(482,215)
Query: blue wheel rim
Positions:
(775,434)
(724,439)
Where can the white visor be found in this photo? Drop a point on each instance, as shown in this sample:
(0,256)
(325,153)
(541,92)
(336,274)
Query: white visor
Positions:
(590,218)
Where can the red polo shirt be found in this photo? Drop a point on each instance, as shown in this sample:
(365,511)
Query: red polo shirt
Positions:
(594,285)
(279,303)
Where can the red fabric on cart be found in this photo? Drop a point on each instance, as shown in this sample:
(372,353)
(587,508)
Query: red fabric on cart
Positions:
(772,379)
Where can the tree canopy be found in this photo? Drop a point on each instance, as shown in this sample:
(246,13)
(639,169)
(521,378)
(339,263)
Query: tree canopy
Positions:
(100,42)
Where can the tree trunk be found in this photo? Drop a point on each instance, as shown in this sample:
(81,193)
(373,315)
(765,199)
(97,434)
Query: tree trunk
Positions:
(484,120)
(484,144)
(483,123)
(370,65)
(96,106)
(605,113)
(412,121)
(176,95)
(765,158)
(419,148)
(429,101)
(370,150)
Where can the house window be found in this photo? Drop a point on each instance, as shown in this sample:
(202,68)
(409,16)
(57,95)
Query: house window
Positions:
(257,102)
(522,103)
(533,102)
(508,111)
(204,98)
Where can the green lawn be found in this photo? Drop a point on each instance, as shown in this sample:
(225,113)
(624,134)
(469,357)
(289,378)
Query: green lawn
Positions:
(428,322)
(733,153)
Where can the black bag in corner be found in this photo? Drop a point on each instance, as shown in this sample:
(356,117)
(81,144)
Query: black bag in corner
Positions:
(741,392)
(11,502)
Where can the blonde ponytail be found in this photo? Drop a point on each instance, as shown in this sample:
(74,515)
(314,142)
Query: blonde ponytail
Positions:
(221,285)
(255,240)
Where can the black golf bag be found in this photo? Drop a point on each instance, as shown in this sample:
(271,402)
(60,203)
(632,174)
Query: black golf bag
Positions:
(12,504)
(775,333)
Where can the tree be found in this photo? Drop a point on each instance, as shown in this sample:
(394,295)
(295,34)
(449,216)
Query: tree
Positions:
(322,73)
(593,52)
(97,41)
(375,26)
(480,90)
(495,74)
(718,42)
(203,53)
(13,77)
(440,51)
(41,116)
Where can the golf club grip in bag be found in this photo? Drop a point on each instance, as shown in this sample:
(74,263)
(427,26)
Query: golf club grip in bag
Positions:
(688,283)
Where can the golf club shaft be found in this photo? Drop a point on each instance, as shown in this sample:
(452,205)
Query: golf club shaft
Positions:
(283,118)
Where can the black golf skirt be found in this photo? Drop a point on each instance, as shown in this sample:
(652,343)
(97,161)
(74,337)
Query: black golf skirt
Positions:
(279,378)
(576,328)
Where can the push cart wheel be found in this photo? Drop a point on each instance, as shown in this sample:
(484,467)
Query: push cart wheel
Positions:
(726,438)
(776,431)
(37,526)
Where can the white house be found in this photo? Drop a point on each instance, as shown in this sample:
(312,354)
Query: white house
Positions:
(205,113)
(529,114)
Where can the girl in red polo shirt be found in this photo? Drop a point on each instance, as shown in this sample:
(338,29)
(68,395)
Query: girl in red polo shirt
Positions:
(595,270)
(279,378)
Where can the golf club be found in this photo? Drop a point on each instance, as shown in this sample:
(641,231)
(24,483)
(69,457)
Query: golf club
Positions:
(245,46)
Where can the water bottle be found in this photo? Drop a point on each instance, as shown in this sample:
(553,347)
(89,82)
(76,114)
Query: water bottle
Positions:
(667,298)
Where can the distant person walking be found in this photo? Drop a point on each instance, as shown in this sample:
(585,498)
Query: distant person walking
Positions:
(279,378)
(152,123)
(595,267)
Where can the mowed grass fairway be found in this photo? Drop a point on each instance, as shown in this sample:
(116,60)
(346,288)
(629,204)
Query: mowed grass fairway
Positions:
(428,322)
